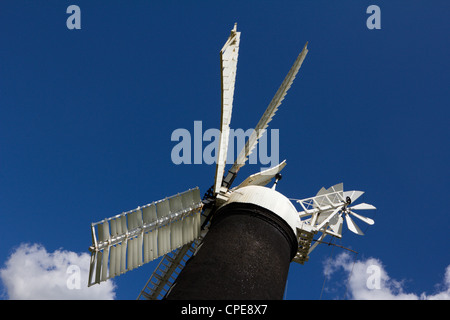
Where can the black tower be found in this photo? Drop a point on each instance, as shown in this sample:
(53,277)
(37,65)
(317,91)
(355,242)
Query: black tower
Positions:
(245,255)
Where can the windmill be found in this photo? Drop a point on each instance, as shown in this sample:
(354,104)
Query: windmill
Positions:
(235,242)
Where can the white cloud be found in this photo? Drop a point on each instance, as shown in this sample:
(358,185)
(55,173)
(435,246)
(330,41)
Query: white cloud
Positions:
(33,273)
(368,280)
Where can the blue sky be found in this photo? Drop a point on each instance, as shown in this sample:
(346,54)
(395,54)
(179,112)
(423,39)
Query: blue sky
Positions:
(86,118)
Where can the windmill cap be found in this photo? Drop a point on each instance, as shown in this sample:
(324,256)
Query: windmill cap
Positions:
(269,199)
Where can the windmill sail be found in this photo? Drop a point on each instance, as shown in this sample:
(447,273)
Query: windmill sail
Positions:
(228,61)
(131,239)
(266,118)
(263,177)
(167,271)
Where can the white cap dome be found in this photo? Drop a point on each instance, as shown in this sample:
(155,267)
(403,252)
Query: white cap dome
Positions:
(269,199)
